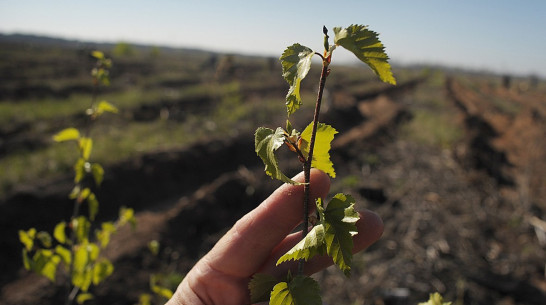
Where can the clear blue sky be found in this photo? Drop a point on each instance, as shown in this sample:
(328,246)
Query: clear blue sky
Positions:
(496,35)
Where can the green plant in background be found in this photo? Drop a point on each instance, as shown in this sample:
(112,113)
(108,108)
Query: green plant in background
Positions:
(435,299)
(162,284)
(335,225)
(72,248)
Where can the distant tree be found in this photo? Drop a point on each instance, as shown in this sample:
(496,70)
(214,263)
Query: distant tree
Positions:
(123,49)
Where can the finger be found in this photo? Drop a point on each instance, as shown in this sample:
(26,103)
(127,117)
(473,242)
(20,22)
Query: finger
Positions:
(246,247)
(370,228)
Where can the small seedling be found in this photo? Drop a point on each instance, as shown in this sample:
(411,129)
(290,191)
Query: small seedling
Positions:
(72,245)
(336,222)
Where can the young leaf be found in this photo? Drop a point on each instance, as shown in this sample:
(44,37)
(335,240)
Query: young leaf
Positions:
(321,153)
(102,270)
(312,244)
(296,62)
(104,106)
(45,263)
(339,219)
(44,238)
(85,144)
(127,215)
(79,173)
(83,297)
(301,290)
(81,227)
(59,232)
(266,143)
(97,54)
(27,262)
(103,235)
(67,135)
(435,299)
(366,45)
(27,238)
(64,254)
(93,205)
(98,173)
(260,287)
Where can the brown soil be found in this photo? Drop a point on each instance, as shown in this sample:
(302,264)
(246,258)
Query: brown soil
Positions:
(465,222)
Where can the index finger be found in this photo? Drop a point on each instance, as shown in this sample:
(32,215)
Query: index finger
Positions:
(249,243)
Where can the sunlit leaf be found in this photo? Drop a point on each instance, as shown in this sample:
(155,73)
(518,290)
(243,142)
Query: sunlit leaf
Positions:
(127,215)
(260,287)
(266,143)
(97,54)
(339,218)
(84,194)
(162,291)
(93,251)
(64,253)
(27,238)
(102,270)
(81,227)
(435,299)
(98,173)
(67,134)
(83,297)
(366,45)
(321,152)
(301,290)
(59,233)
(312,244)
(45,263)
(44,238)
(86,145)
(104,106)
(79,173)
(296,62)
(103,235)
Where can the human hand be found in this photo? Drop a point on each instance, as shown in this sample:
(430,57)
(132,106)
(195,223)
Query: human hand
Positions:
(256,241)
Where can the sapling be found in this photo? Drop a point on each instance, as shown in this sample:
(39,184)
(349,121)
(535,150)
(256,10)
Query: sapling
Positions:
(72,249)
(332,231)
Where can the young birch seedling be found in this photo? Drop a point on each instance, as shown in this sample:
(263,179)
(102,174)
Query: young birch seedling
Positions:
(72,246)
(332,234)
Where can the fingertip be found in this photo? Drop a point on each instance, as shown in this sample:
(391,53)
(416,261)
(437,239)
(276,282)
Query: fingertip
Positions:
(370,228)
(320,183)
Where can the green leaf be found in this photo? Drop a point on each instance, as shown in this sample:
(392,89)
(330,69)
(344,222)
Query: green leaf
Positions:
(45,263)
(366,45)
(81,258)
(260,287)
(86,145)
(312,244)
(145,299)
(98,173)
(339,219)
(435,299)
(64,254)
(81,226)
(162,291)
(127,215)
(153,246)
(321,152)
(266,143)
(301,290)
(296,62)
(59,233)
(102,270)
(44,238)
(97,54)
(79,173)
(83,297)
(27,262)
(93,205)
(27,238)
(67,134)
(103,235)
(104,106)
